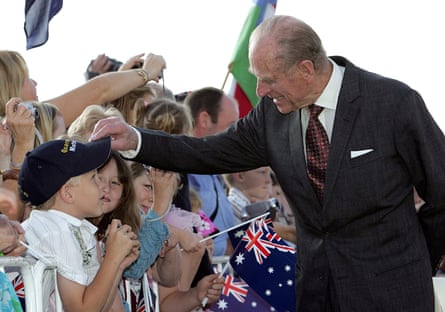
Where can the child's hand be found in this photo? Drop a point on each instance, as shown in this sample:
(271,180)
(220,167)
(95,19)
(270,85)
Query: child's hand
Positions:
(130,258)
(165,183)
(189,241)
(169,244)
(122,244)
(210,287)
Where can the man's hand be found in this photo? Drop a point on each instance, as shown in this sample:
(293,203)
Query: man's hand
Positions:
(123,136)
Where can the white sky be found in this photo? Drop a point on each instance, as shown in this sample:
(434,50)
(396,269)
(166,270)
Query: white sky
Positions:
(402,39)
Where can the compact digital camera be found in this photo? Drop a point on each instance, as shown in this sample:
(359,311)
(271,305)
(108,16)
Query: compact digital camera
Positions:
(30,107)
(256,209)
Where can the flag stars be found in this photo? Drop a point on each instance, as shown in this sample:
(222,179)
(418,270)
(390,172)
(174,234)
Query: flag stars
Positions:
(239,233)
(260,261)
(240,258)
(222,304)
(253,304)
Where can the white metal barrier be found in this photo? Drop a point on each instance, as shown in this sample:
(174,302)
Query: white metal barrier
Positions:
(439,289)
(40,281)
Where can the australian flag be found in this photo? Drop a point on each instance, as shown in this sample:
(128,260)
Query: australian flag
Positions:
(238,296)
(267,264)
(38,13)
(238,233)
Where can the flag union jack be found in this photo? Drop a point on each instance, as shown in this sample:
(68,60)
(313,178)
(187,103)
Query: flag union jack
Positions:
(18,284)
(237,289)
(259,240)
(251,302)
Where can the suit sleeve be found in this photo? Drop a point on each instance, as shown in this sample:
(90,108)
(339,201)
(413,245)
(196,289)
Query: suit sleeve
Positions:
(240,147)
(422,145)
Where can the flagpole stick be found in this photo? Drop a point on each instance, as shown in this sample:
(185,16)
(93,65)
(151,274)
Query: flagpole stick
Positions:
(233,227)
(206,299)
(225,80)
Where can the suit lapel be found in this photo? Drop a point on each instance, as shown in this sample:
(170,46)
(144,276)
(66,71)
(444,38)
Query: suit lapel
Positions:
(296,144)
(297,149)
(346,112)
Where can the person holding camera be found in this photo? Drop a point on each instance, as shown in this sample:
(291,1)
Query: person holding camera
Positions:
(103,64)
(102,89)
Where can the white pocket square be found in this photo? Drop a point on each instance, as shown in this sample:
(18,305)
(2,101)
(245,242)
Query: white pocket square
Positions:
(355,154)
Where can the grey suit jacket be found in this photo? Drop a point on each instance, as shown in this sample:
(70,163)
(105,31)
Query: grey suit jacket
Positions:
(367,236)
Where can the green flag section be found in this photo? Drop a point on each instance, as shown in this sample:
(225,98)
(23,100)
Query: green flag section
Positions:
(239,65)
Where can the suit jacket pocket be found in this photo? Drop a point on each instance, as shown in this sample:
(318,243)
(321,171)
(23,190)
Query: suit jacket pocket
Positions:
(364,159)
(399,268)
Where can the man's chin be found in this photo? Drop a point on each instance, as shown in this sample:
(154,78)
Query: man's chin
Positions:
(283,105)
(284,109)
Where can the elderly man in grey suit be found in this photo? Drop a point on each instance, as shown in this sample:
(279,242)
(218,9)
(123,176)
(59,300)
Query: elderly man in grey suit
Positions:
(348,171)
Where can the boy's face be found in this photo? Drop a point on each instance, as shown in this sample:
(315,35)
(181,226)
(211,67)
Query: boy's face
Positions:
(87,195)
(257,184)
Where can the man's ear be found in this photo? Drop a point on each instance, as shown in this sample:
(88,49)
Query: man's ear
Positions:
(306,69)
(203,120)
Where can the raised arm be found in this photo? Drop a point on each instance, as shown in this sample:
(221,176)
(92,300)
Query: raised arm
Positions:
(107,87)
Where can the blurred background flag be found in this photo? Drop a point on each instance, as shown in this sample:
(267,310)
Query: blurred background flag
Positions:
(244,83)
(38,13)
(267,264)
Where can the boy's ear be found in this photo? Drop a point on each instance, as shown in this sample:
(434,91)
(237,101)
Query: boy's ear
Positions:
(65,193)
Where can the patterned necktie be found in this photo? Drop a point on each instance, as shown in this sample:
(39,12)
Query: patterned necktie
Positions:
(317,151)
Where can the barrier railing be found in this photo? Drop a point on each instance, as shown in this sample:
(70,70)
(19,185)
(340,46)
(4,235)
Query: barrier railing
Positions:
(40,281)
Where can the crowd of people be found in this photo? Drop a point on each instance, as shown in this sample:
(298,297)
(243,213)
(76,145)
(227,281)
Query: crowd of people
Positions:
(111,232)
(161,245)
(113,180)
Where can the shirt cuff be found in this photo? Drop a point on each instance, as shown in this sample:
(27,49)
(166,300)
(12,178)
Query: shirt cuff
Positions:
(130,154)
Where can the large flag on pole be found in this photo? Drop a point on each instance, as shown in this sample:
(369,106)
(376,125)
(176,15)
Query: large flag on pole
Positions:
(38,13)
(244,83)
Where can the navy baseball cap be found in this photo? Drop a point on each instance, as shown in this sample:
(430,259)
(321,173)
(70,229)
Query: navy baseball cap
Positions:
(50,165)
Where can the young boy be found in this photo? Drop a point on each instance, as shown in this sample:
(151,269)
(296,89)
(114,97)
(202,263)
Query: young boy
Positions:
(60,179)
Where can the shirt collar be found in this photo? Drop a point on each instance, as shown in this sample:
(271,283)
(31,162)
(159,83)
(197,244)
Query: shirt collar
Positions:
(75,221)
(329,96)
(238,197)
